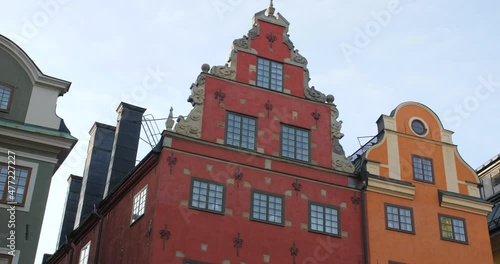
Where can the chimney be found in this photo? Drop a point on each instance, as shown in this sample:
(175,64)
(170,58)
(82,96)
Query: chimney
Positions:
(125,145)
(96,169)
(70,208)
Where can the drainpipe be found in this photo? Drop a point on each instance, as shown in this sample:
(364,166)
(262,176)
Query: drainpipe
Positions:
(99,234)
(364,177)
(71,250)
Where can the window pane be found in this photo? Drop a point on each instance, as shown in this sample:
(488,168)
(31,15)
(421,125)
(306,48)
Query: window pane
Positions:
(422,169)
(207,196)
(294,143)
(240,131)
(267,207)
(270,74)
(323,219)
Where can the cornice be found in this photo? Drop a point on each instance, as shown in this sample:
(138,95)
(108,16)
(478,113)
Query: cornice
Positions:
(464,203)
(391,187)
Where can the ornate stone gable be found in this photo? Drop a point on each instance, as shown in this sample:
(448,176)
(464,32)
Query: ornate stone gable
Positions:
(251,43)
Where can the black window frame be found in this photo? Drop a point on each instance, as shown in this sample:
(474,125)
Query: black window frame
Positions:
(418,122)
(295,143)
(423,169)
(466,241)
(269,70)
(399,207)
(208,182)
(282,197)
(9,103)
(325,206)
(241,130)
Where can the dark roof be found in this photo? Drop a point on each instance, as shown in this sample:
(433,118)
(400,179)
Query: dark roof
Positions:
(488,163)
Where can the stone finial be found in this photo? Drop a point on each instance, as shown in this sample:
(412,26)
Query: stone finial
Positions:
(271,9)
(330,98)
(170,120)
(205,67)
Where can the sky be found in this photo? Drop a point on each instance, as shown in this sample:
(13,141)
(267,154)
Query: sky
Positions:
(371,55)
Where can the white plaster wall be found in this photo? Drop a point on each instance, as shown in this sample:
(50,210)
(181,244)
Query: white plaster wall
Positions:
(42,108)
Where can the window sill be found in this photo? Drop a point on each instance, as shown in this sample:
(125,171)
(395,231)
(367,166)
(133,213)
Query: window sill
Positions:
(324,233)
(455,241)
(12,204)
(267,222)
(401,231)
(424,181)
(207,211)
(136,220)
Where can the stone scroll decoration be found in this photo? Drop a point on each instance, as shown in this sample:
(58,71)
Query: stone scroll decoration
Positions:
(191,125)
(339,160)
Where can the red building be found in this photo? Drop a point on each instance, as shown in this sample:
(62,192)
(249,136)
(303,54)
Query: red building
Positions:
(254,174)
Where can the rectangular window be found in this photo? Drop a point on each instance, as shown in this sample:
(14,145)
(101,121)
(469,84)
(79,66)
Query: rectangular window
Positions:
(5,259)
(324,219)
(270,74)
(422,169)
(5,97)
(399,218)
(84,254)
(453,228)
(495,180)
(207,195)
(267,207)
(294,143)
(139,204)
(19,180)
(241,131)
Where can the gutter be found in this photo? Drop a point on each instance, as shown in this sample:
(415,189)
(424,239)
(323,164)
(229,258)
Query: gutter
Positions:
(364,177)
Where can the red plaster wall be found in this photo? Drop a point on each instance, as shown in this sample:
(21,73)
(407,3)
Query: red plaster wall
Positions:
(191,227)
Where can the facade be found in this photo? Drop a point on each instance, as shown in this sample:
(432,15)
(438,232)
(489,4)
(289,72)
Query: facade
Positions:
(34,138)
(254,174)
(489,174)
(422,198)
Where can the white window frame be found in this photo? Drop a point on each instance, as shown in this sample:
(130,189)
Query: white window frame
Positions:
(84,254)
(139,204)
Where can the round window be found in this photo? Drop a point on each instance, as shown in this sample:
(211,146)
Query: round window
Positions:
(418,126)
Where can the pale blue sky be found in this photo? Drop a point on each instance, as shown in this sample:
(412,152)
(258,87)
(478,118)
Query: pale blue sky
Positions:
(433,52)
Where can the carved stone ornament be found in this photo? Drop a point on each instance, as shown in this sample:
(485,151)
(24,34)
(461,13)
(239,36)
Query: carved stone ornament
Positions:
(254,32)
(191,125)
(339,161)
(241,43)
(311,93)
(226,71)
(296,57)
(287,41)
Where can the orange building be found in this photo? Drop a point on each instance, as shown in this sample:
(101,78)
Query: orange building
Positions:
(422,199)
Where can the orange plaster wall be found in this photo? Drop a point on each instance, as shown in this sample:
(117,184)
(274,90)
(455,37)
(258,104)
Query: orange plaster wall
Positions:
(426,243)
